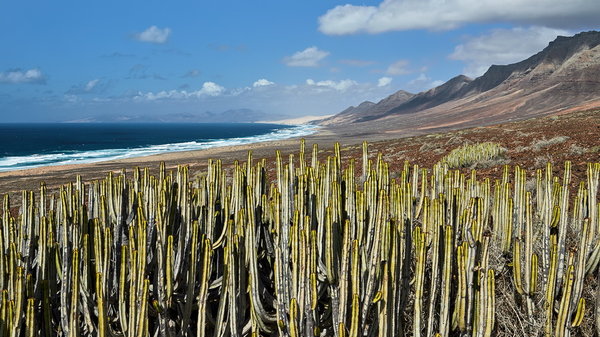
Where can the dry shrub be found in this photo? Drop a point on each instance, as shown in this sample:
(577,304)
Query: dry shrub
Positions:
(542,143)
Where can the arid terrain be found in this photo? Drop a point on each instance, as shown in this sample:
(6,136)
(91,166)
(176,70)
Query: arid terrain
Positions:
(531,143)
(562,77)
(542,109)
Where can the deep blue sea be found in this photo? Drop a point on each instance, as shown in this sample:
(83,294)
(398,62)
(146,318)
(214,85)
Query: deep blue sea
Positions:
(32,145)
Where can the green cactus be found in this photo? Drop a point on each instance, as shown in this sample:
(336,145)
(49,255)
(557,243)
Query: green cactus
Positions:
(318,251)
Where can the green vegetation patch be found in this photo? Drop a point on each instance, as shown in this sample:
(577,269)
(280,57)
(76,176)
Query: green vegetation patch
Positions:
(475,155)
(236,253)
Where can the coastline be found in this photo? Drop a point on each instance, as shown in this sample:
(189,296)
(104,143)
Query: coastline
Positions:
(96,142)
(56,175)
(522,140)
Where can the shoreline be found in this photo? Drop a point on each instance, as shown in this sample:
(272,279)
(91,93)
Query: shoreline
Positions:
(15,163)
(55,175)
(420,147)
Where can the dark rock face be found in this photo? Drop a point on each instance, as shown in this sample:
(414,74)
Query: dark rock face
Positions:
(556,54)
(435,96)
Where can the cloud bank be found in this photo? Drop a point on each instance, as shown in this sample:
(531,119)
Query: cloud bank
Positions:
(312,97)
(398,15)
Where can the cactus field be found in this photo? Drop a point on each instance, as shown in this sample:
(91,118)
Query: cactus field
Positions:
(325,248)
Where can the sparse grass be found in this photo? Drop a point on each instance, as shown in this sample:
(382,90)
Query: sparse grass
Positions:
(429,146)
(455,140)
(538,145)
(549,142)
(540,161)
(521,148)
(577,150)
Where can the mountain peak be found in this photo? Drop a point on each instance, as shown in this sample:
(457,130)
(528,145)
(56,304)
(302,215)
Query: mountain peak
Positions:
(564,74)
(369,110)
(556,53)
(365,104)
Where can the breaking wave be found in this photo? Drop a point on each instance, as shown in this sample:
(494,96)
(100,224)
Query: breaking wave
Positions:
(10,163)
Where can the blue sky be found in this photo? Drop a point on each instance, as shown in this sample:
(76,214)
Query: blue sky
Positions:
(126,60)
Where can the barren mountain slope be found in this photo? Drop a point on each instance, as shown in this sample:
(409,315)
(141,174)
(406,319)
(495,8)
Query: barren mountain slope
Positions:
(374,110)
(562,77)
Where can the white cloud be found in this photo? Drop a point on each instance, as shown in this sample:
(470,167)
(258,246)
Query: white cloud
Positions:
(94,86)
(239,91)
(208,89)
(211,89)
(437,83)
(398,68)
(420,78)
(272,102)
(19,76)
(502,46)
(382,82)
(397,15)
(262,83)
(89,86)
(342,85)
(171,94)
(154,35)
(422,83)
(309,57)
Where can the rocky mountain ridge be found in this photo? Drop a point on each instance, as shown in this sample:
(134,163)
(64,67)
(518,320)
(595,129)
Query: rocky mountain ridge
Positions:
(563,76)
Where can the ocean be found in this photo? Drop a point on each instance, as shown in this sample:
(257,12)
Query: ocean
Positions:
(33,145)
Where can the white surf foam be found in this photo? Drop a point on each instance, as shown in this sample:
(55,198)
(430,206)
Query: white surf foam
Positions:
(80,157)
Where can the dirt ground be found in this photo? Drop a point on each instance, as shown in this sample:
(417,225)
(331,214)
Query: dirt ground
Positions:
(530,144)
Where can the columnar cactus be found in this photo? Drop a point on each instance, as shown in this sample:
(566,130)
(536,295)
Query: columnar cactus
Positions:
(318,251)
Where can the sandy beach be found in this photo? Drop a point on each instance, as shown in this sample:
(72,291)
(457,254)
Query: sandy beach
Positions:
(53,176)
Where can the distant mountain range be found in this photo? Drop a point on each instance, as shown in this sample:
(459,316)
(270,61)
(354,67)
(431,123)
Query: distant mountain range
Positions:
(229,116)
(562,77)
